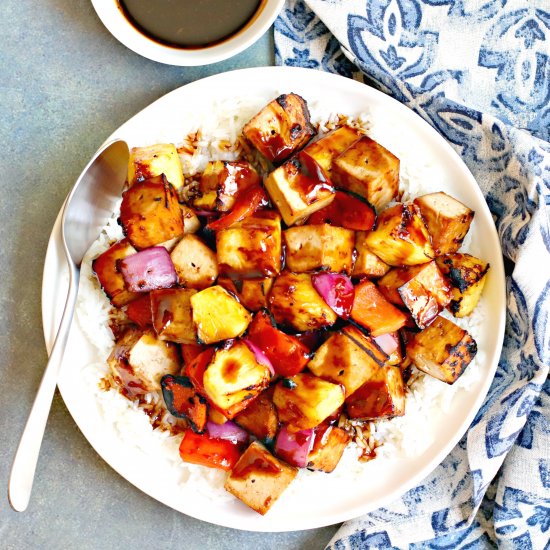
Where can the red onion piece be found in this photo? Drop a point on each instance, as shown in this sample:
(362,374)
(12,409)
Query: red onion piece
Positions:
(260,356)
(387,342)
(228,431)
(336,290)
(147,270)
(294,447)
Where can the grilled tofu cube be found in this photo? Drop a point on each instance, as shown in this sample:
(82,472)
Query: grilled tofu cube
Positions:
(294,302)
(328,448)
(217,315)
(326,149)
(280,128)
(110,278)
(447,220)
(258,478)
(312,247)
(401,238)
(196,264)
(252,247)
(381,396)
(304,401)
(467,275)
(367,263)
(296,194)
(233,378)
(348,358)
(139,360)
(150,213)
(260,417)
(254,293)
(443,350)
(172,316)
(368,169)
(191,223)
(154,160)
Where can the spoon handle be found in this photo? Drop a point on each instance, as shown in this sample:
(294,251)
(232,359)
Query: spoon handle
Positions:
(26,456)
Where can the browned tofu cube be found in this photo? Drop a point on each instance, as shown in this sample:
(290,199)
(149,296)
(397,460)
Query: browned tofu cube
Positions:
(195,263)
(110,279)
(401,238)
(368,169)
(367,263)
(252,247)
(191,223)
(280,128)
(258,478)
(312,247)
(348,358)
(381,396)
(155,160)
(260,417)
(447,220)
(172,315)
(443,350)
(294,302)
(150,213)
(254,293)
(328,448)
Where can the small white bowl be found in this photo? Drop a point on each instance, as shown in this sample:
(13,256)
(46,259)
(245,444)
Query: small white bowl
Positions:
(118,25)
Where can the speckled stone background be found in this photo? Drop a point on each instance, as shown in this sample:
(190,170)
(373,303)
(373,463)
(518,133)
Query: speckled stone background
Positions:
(65,85)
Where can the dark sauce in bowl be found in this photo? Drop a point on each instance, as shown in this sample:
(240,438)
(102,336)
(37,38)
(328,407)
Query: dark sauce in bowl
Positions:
(190,23)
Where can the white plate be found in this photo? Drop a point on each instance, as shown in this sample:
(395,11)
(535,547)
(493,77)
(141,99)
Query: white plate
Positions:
(326,500)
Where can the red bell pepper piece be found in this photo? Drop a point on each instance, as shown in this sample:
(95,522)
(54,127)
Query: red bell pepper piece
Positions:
(139,311)
(206,451)
(195,369)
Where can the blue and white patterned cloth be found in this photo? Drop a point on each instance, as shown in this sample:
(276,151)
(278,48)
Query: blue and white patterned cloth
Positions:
(479,72)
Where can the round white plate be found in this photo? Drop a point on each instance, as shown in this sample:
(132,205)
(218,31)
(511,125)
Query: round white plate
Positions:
(323,500)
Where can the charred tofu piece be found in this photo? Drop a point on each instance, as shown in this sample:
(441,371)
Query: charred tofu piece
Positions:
(312,247)
(252,247)
(304,401)
(150,213)
(328,448)
(443,350)
(280,128)
(467,275)
(260,417)
(367,263)
(381,396)
(348,358)
(294,302)
(233,378)
(139,360)
(254,293)
(297,192)
(401,238)
(155,160)
(368,169)
(105,267)
(191,223)
(172,316)
(258,479)
(447,220)
(196,264)
(217,315)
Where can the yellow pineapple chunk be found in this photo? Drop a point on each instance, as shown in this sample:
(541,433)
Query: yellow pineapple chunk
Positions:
(367,263)
(154,160)
(217,315)
(401,238)
(196,264)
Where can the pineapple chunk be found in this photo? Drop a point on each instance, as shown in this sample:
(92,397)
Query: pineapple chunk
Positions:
(368,169)
(154,160)
(304,401)
(217,315)
(111,280)
(191,223)
(324,246)
(233,378)
(259,479)
(447,220)
(150,213)
(296,194)
(294,302)
(139,360)
(367,263)
(443,350)
(260,417)
(467,275)
(196,264)
(280,128)
(348,358)
(401,238)
(172,317)
(252,247)
(328,448)
(254,293)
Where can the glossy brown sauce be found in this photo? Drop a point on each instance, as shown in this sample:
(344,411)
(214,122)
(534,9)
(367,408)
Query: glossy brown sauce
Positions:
(189,23)
(258,465)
